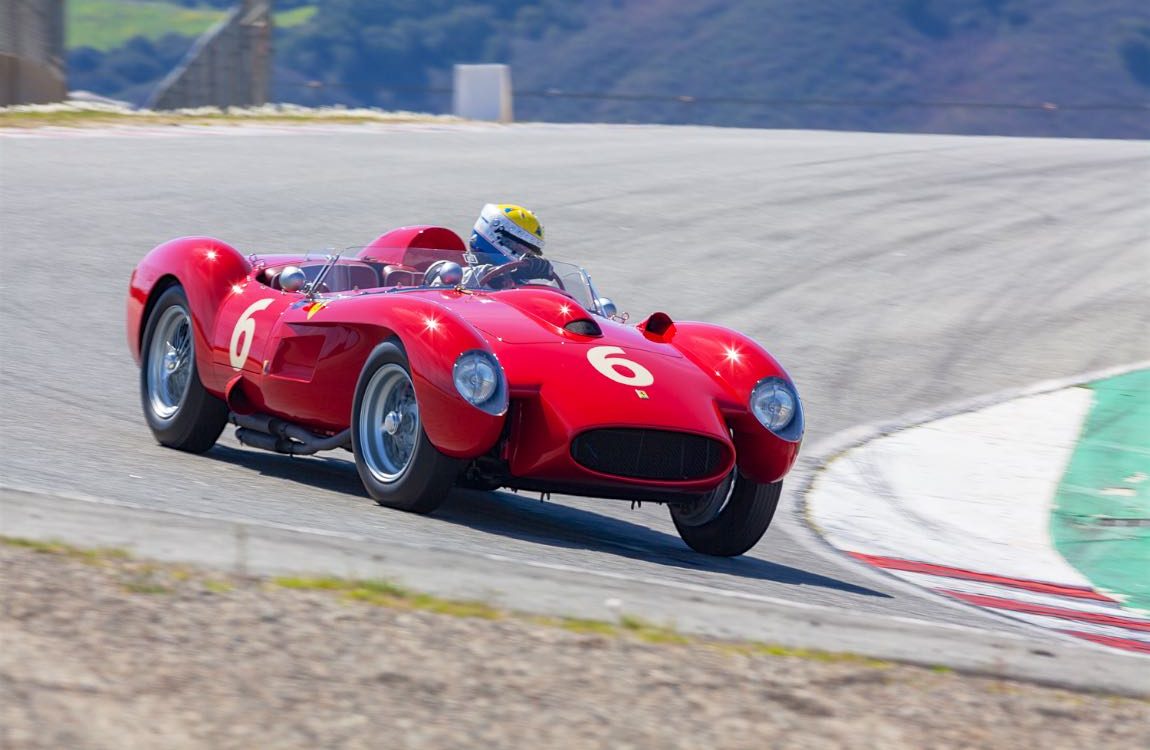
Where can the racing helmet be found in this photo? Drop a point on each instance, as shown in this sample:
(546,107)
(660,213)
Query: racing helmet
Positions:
(505,232)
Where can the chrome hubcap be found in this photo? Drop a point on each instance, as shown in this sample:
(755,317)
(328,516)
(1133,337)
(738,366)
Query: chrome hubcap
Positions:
(389,423)
(170,362)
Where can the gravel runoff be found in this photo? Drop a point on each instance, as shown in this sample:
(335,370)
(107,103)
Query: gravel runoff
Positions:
(100,652)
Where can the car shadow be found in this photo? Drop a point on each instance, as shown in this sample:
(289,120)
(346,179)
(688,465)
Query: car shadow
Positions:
(526,518)
(554,524)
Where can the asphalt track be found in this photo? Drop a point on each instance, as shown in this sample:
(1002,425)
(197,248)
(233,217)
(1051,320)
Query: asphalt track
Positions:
(891,274)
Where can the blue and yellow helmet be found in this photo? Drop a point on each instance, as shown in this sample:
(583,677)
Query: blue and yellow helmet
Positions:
(508,232)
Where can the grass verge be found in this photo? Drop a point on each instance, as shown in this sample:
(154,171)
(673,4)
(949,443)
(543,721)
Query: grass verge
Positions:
(91,556)
(159,578)
(82,115)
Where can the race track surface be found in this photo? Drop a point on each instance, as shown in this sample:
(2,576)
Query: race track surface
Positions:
(890,274)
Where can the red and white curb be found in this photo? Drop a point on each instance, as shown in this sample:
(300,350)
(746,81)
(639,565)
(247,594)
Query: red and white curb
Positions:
(961,506)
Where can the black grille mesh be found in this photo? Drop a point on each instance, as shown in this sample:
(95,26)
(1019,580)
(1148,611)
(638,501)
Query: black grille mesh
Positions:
(649,454)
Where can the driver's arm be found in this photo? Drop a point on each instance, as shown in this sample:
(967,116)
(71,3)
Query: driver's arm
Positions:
(532,267)
(472,275)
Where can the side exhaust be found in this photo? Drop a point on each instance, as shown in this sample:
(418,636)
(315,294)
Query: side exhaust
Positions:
(273,434)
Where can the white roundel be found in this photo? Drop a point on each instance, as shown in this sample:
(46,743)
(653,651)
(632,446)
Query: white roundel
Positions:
(609,362)
(243,332)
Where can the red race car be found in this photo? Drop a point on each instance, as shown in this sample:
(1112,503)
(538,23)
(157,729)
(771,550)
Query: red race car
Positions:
(435,372)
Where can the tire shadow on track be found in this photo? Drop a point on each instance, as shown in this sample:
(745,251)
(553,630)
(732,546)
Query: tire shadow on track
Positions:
(551,524)
(558,525)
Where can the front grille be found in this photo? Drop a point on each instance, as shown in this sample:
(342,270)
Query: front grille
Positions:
(649,454)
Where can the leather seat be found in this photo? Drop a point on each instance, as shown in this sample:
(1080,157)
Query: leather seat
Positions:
(401,276)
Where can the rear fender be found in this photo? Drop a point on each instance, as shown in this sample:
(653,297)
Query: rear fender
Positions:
(737,363)
(205,267)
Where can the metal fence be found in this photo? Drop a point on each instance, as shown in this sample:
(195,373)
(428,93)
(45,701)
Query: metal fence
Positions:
(229,66)
(32,56)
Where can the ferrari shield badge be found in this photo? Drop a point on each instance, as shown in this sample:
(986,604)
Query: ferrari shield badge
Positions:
(311,307)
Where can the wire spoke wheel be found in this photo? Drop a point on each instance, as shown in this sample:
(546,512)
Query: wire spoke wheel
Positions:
(171,359)
(398,464)
(180,411)
(390,425)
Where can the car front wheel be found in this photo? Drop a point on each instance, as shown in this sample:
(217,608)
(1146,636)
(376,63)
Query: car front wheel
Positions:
(730,519)
(398,465)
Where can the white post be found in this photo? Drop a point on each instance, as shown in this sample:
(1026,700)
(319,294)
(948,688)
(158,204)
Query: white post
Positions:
(483,92)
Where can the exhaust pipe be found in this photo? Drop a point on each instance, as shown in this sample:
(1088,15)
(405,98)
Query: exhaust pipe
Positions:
(273,434)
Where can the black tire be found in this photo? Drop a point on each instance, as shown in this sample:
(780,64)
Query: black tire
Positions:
(403,471)
(194,420)
(729,529)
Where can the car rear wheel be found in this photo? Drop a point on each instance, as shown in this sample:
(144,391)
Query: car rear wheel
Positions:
(730,519)
(398,465)
(180,411)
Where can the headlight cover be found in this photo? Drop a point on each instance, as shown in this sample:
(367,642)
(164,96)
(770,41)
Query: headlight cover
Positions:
(776,405)
(479,379)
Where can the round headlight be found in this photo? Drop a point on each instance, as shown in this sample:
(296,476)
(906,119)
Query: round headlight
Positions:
(479,379)
(773,404)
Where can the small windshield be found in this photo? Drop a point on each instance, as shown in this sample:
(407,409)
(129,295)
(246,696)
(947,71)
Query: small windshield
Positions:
(406,268)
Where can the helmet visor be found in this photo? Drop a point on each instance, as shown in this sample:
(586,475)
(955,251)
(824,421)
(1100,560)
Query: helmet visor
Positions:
(515,244)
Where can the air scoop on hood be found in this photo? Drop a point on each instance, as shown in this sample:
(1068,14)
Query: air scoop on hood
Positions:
(583,327)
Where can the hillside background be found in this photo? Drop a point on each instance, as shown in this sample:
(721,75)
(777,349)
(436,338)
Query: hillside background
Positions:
(829,64)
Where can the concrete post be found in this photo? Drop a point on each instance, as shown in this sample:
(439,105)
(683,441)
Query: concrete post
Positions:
(483,92)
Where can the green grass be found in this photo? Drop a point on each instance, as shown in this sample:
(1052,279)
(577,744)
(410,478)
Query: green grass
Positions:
(295,17)
(387,594)
(105,24)
(92,556)
(149,578)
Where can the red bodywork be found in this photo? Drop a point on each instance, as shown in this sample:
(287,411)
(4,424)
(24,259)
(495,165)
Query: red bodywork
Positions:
(281,353)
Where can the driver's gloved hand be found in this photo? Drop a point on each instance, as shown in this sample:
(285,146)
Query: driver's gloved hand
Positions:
(532,267)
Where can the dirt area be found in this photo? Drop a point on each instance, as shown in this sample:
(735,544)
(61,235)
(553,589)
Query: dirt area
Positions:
(101,651)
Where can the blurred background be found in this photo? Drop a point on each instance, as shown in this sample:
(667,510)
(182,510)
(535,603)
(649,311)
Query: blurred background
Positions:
(946,66)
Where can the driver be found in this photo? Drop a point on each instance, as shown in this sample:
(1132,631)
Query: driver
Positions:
(504,234)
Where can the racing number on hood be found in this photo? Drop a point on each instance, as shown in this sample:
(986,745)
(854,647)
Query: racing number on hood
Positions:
(242,334)
(609,363)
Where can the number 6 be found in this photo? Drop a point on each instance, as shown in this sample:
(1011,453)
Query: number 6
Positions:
(245,329)
(605,359)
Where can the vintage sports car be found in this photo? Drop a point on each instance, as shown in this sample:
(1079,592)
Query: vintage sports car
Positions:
(436,372)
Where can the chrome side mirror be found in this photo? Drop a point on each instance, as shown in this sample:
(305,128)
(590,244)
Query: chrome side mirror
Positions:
(606,307)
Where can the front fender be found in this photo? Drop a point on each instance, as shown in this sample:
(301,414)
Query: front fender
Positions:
(205,267)
(737,363)
(433,337)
